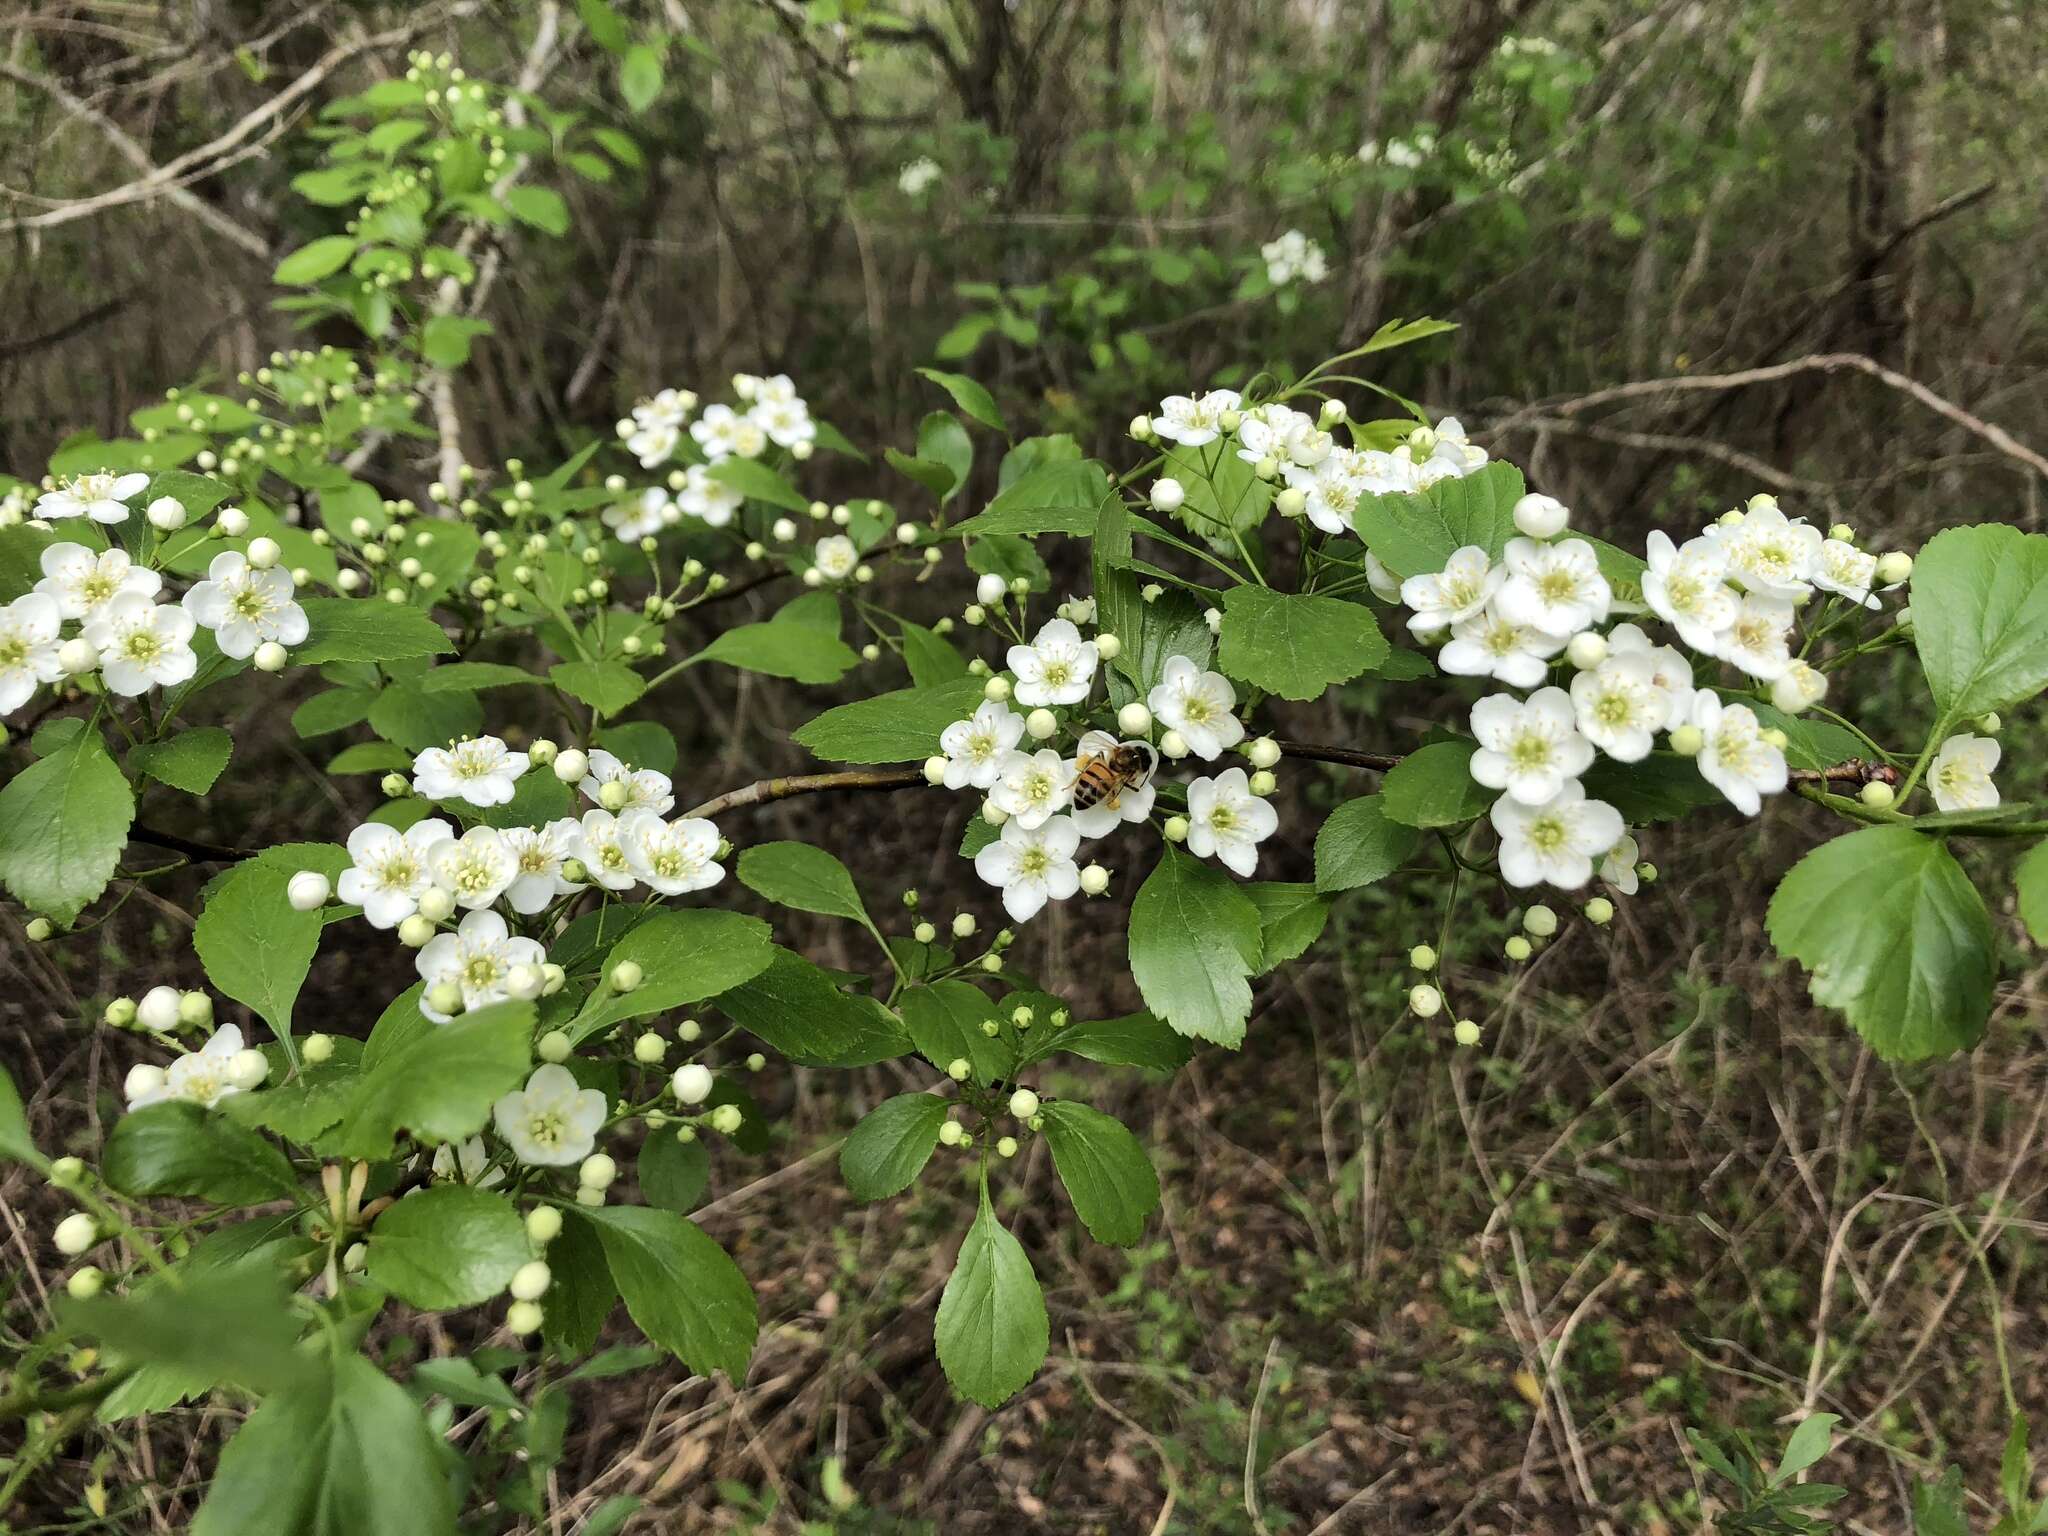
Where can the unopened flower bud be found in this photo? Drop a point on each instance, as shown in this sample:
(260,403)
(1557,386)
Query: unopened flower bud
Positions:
(543,1224)
(1094,880)
(158,1009)
(649,1049)
(1023,1104)
(1599,911)
(415,931)
(1425,1000)
(1878,795)
(315,1049)
(1264,752)
(264,553)
(597,1171)
(524,1317)
(1173,744)
(1518,948)
(445,997)
(1422,957)
(1006,1146)
(141,1081)
(247,1068)
(1292,502)
(554,1046)
(1465,1032)
(1541,517)
(77,656)
(1687,740)
(958,1068)
(1108,647)
(1167,495)
(1587,650)
(308,890)
(991,590)
(1894,568)
(996,688)
(1041,724)
(82,1284)
(613,794)
(950,1132)
(935,770)
(571,765)
(727,1118)
(627,976)
(75,1234)
(120,1013)
(692,1083)
(1176,829)
(1262,783)
(530,1281)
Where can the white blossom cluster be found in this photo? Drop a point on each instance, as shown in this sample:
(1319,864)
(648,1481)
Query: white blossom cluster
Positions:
(1731,594)
(1325,481)
(770,412)
(1030,791)
(219,1069)
(1294,258)
(135,642)
(917,176)
(416,880)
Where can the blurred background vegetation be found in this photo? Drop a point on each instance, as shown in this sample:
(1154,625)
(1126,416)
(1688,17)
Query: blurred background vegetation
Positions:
(1386,1295)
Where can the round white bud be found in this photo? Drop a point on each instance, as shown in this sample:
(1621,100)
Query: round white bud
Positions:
(963,926)
(692,1083)
(1465,1032)
(530,1281)
(415,931)
(571,765)
(1176,829)
(264,553)
(270,657)
(1167,495)
(524,1317)
(1541,517)
(996,688)
(991,589)
(1108,647)
(158,1009)
(1173,744)
(543,1224)
(142,1080)
(1134,719)
(315,1049)
(1023,1104)
(307,891)
(1264,752)
(76,1233)
(1894,568)
(523,982)
(597,1171)
(1540,921)
(1094,880)
(247,1068)
(166,514)
(233,522)
(627,975)
(1425,1000)
(1041,724)
(445,997)
(935,770)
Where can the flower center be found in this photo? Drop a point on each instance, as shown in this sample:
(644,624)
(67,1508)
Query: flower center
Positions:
(546,1127)
(1548,834)
(97,588)
(140,646)
(474,875)
(1222,819)
(1557,586)
(1613,709)
(1197,710)
(1032,863)
(1058,674)
(480,972)
(249,604)
(399,872)
(535,861)
(1530,753)
(13,653)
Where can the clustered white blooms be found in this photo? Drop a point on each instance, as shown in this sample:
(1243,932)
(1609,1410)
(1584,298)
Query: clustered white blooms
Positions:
(1030,790)
(135,642)
(1730,594)
(917,175)
(1294,258)
(218,1069)
(770,412)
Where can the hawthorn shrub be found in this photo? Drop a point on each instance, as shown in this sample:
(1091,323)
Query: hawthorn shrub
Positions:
(278,1184)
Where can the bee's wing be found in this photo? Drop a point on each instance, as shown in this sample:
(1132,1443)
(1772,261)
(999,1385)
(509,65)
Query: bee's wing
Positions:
(1094,744)
(1151,756)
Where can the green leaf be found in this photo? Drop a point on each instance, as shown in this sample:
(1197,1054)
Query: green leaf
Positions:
(335,709)
(445,339)
(1194,944)
(1433,787)
(1980,617)
(1810,1441)
(1359,845)
(783,649)
(1662,787)
(945,1019)
(541,207)
(1291,918)
(208,1321)
(1223,492)
(682,1289)
(364,629)
(991,1330)
(582,1294)
(448,1246)
(889,1148)
(1133,1040)
(1894,935)
(800,1011)
(757,482)
(255,947)
(343,1453)
(2032,879)
(63,823)
(801,876)
(941,440)
(685,956)
(969,396)
(16,1145)
(930,657)
(891,727)
(1295,645)
(199,494)
(180,1149)
(1939,1508)
(416,720)
(472,677)
(315,260)
(1416,534)
(604,25)
(673,1173)
(1107,1174)
(1064,496)
(640,77)
(439,1084)
(606,686)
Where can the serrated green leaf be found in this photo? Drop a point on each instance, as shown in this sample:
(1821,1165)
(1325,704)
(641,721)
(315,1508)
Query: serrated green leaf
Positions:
(1980,617)
(1297,645)
(969,395)
(944,1019)
(1194,945)
(363,629)
(1358,845)
(606,686)
(682,1289)
(802,877)
(449,1246)
(63,823)
(685,956)
(1416,534)
(1433,787)
(891,727)
(779,648)
(803,1013)
(1105,1170)
(991,1329)
(256,948)
(315,260)
(889,1148)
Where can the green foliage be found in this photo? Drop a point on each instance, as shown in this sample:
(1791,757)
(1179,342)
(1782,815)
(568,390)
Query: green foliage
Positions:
(1297,645)
(63,824)
(1194,945)
(451,1246)
(255,948)
(1104,1169)
(889,1148)
(683,1290)
(991,1329)
(1980,618)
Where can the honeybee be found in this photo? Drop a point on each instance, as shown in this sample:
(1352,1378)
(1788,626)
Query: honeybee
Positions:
(1105,767)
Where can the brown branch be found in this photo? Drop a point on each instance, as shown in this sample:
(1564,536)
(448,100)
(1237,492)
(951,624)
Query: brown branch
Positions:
(762,791)
(199,853)
(1346,756)
(1820,362)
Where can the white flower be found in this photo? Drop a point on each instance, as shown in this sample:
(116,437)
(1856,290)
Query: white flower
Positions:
(1960,776)
(142,645)
(917,175)
(597,845)
(1618,868)
(1769,553)
(787,422)
(1330,490)
(1199,705)
(1057,667)
(1528,748)
(1556,588)
(1734,756)
(477,957)
(392,869)
(1620,705)
(1191,422)
(777,389)
(1080,609)
(1556,842)
(539,853)
(101,497)
(975,748)
(83,582)
(1443,452)
(475,868)
(712,502)
(1227,822)
(1461,589)
(481,770)
(720,432)
(1275,431)
(1760,639)
(1798,688)
(646,790)
(1031,864)
(1669,668)
(1293,256)
(1030,786)
(653,443)
(1487,645)
(1844,568)
(669,408)
(550,1123)
(835,557)
(646,514)
(1686,586)
(199,1077)
(1385,585)
(466,1162)
(28,647)
(671,856)
(245,607)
